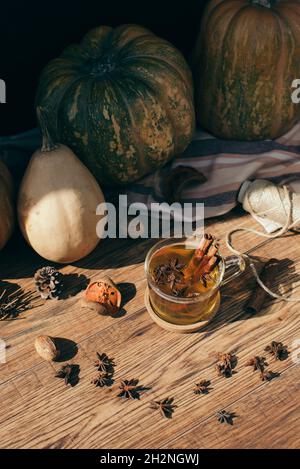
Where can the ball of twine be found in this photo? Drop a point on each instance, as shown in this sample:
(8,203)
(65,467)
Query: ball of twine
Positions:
(277,203)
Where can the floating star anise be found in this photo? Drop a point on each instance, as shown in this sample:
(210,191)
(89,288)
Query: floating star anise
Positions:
(165,406)
(202,387)
(268,375)
(226,417)
(103,379)
(180,292)
(130,389)
(226,363)
(104,363)
(69,373)
(170,273)
(258,363)
(278,350)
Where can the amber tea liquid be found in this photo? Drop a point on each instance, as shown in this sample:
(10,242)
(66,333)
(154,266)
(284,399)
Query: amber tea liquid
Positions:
(201,306)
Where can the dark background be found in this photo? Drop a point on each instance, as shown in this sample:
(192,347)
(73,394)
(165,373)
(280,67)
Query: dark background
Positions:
(32,33)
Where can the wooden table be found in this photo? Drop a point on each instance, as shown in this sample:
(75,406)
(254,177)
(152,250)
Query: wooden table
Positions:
(39,411)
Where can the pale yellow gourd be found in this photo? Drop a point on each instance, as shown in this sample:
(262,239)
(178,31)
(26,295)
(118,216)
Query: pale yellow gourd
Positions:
(57,203)
(7,217)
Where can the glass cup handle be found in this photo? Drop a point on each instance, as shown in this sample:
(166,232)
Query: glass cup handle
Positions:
(234,266)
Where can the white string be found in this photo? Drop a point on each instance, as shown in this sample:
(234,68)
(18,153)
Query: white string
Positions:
(288,226)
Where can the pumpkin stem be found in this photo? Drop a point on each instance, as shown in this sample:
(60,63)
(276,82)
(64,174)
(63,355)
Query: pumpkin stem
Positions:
(264,3)
(48,143)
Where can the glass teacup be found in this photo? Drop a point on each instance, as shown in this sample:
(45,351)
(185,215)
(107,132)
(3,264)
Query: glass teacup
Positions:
(202,306)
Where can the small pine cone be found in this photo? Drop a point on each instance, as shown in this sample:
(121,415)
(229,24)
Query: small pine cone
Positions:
(48,282)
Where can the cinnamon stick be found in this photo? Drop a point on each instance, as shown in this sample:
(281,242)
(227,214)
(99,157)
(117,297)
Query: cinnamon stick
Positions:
(259,295)
(204,259)
(198,256)
(207,263)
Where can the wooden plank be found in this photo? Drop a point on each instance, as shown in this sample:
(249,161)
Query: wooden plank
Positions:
(172,372)
(266,418)
(39,411)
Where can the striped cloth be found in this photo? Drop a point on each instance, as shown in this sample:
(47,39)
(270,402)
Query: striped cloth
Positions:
(226,164)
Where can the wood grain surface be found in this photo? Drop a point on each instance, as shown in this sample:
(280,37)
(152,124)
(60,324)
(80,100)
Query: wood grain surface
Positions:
(39,411)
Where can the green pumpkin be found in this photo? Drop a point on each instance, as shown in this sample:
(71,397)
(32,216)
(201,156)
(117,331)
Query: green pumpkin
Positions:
(122,100)
(245,61)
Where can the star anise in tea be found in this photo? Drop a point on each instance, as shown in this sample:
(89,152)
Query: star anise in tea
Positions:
(170,273)
(130,389)
(184,293)
(226,363)
(268,375)
(258,363)
(202,387)
(226,417)
(104,363)
(165,406)
(103,379)
(278,350)
(180,292)
(69,373)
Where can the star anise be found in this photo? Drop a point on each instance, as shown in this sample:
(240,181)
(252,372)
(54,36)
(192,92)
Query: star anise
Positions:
(104,363)
(69,373)
(165,406)
(202,387)
(103,379)
(258,363)
(170,273)
(184,292)
(278,350)
(130,389)
(226,417)
(226,363)
(268,375)
(180,292)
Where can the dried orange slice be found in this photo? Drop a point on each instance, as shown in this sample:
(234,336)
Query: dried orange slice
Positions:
(105,293)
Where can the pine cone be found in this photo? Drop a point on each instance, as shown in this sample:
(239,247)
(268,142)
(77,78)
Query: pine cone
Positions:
(48,282)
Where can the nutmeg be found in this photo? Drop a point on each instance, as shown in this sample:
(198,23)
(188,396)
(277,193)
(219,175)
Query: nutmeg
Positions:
(46,348)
